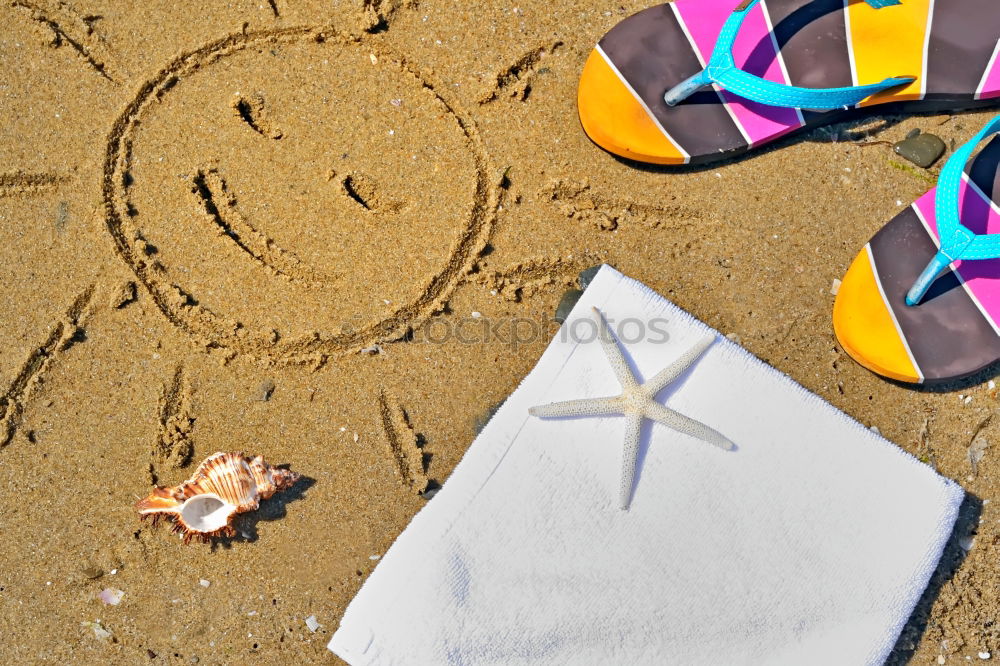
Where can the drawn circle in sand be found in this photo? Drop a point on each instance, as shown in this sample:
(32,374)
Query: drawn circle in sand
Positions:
(295,193)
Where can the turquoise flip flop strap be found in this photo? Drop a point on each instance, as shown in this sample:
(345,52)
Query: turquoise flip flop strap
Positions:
(957,241)
(722,70)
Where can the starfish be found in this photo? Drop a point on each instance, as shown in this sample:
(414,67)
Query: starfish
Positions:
(637,402)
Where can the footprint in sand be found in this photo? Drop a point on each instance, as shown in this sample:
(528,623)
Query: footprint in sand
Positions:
(290,193)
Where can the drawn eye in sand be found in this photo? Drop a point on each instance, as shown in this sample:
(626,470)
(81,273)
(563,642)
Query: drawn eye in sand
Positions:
(272,186)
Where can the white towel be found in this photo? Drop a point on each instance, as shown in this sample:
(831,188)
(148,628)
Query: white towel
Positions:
(809,544)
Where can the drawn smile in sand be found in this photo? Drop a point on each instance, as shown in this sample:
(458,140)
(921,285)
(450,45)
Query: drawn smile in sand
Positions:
(293,221)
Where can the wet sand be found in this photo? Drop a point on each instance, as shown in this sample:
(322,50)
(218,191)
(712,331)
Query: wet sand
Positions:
(206,214)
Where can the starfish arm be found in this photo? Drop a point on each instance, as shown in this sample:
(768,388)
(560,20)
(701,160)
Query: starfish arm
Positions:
(613,352)
(630,457)
(660,381)
(581,407)
(688,426)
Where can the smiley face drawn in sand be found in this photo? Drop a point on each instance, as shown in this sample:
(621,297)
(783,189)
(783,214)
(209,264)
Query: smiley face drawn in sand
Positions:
(293,193)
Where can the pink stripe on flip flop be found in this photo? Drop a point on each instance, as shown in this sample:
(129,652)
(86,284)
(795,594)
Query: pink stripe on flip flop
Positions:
(981,277)
(990,87)
(754,52)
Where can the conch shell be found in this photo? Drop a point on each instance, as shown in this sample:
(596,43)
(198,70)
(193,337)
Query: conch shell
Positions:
(224,485)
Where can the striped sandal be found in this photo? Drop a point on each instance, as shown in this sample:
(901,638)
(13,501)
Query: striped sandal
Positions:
(695,81)
(900,311)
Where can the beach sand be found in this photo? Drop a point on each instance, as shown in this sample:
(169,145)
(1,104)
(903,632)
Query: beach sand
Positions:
(206,212)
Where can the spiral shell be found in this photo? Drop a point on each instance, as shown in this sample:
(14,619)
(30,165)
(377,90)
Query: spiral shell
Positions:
(224,485)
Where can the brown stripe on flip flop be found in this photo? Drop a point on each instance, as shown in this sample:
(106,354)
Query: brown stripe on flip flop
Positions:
(963,36)
(812,39)
(652,52)
(947,334)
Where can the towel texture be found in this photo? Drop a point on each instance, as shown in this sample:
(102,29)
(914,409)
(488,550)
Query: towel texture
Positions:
(811,543)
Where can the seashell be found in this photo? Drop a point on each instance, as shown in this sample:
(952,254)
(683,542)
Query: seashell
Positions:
(224,485)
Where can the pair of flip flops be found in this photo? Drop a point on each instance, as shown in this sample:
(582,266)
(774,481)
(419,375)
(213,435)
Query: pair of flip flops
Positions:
(694,81)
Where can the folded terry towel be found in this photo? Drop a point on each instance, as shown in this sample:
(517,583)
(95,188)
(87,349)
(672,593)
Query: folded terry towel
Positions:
(810,543)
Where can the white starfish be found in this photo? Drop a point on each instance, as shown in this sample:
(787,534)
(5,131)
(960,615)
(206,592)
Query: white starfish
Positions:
(636,402)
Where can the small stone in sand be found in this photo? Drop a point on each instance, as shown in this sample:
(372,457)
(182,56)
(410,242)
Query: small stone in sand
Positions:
(566,305)
(587,275)
(204,583)
(99,631)
(431,490)
(923,149)
(977,451)
(264,391)
(312,623)
(984,655)
(835,287)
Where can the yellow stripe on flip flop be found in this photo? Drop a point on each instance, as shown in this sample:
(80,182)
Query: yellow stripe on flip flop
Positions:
(866,328)
(616,119)
(889,42)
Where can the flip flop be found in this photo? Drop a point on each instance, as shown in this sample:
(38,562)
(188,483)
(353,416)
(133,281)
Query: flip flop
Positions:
(737,79)
(921,302)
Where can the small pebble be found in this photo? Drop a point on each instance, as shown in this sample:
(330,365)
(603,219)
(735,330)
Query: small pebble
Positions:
(99,631)
(941,659)
(92,572)
(835,287)
(476,315)
(312,623)
(912,133)
(566,305)
(204,583)
(923,149)
(966,543)
(984,655)
(264,391)
(587,276)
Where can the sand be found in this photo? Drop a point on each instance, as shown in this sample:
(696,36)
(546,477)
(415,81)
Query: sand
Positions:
(207,212)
